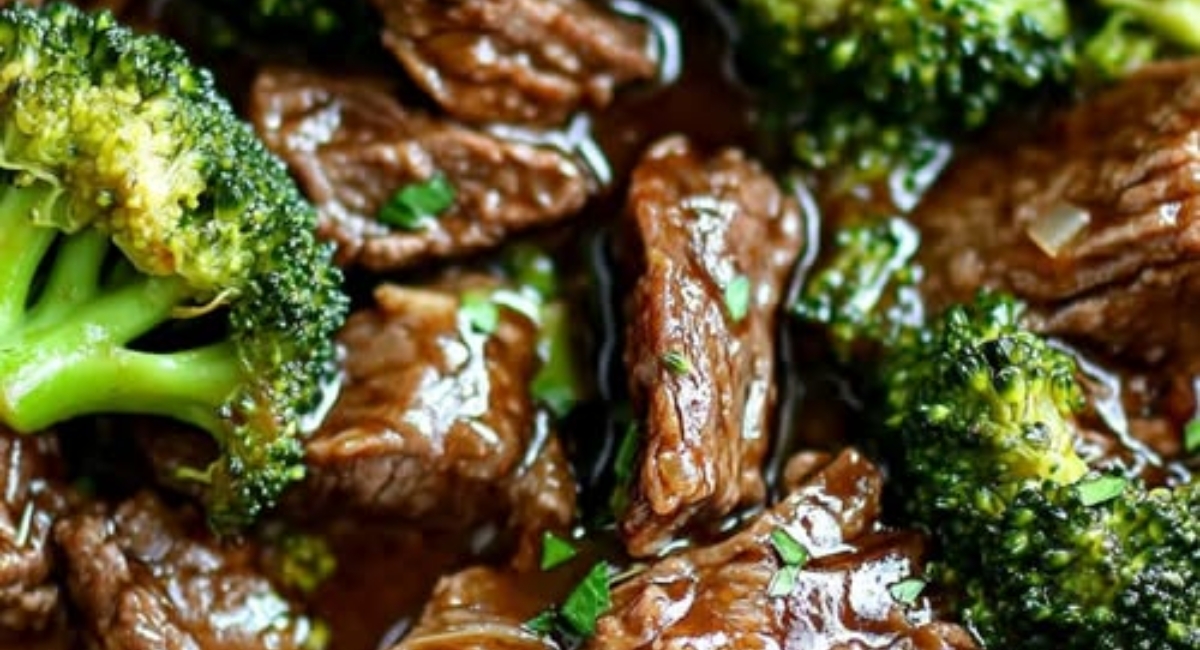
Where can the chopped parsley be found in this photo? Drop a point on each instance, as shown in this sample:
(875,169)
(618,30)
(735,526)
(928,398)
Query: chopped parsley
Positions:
(415,204)
(737,298)
(579,612)
(587,601)
(677,362)
(790,550)
(783,582)
(907,591)
(793,555)
(480,312)
(1191,437)
(1101,489)
(555,551)
(623,468)
(543,623)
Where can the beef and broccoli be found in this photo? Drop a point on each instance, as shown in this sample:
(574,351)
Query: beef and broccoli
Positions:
(599,324)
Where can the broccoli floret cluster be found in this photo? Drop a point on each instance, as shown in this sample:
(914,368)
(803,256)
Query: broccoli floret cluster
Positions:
(873,86)
(134,201)
(872,83)
(1044,552)
(864,294)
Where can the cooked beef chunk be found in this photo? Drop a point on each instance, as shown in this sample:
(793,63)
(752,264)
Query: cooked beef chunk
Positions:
(718,596)
(477,609)
(144,577)
(1117,178)
(712,242)
(31,499)
(353,146)
(526,61)
(435,423)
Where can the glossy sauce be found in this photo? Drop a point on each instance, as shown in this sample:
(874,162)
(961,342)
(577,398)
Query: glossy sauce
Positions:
(385,573)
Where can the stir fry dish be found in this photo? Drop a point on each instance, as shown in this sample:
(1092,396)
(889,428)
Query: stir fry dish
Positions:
(600,325)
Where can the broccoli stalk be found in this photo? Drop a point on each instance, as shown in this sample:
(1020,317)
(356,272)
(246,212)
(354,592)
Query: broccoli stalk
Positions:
(131,198)
(1044,552)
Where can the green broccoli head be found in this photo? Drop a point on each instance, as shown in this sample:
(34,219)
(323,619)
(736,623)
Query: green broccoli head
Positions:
(133,200)
(1044,553)
(977,388)
(1104,564)
(353,26)
(1121,35)
(864,294)
(873,82)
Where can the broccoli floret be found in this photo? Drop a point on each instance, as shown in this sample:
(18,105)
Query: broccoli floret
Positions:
(1121,35)
(132,202)
(348,24)
(873,82)
(1045,553)
(865,294)
(299,562)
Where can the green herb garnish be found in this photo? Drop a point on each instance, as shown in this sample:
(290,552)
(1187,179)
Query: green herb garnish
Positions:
(790,550)
(677,362)
(588,601)
(414,205)
(1191,437)
(480,312)
(737,298)
(555,551)
(1101,489)
(783,582)
(543,623)
(907,591)
(793,555)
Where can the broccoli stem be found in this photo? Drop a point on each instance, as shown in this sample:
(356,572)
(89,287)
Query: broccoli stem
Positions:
(23,244)
(78,364)
(74,278)
(63,354)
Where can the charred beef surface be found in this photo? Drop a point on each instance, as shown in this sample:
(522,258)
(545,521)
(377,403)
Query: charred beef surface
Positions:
(521,61)
(1116,180)
(711,242)
(32,497)
(352,146)
(435,424)
(720,596)
(145,577)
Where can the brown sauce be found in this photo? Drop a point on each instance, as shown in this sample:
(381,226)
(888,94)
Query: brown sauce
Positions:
(385,573)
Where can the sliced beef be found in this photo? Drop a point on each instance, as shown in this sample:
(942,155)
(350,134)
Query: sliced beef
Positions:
(477,609)
(1117,178)
(435,423)
(712,240)
(352,146)
(527,61)
(718,596)
(32,497)
(145,578)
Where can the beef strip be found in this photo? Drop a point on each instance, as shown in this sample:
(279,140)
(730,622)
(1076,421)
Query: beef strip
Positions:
(435,423)
(717,596)
(523,61)
(701,375)
(1126,161)
(144,577)
(352,145)
(479,608)
(32,497)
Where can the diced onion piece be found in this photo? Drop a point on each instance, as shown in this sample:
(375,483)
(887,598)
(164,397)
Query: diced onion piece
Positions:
(1056,227)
